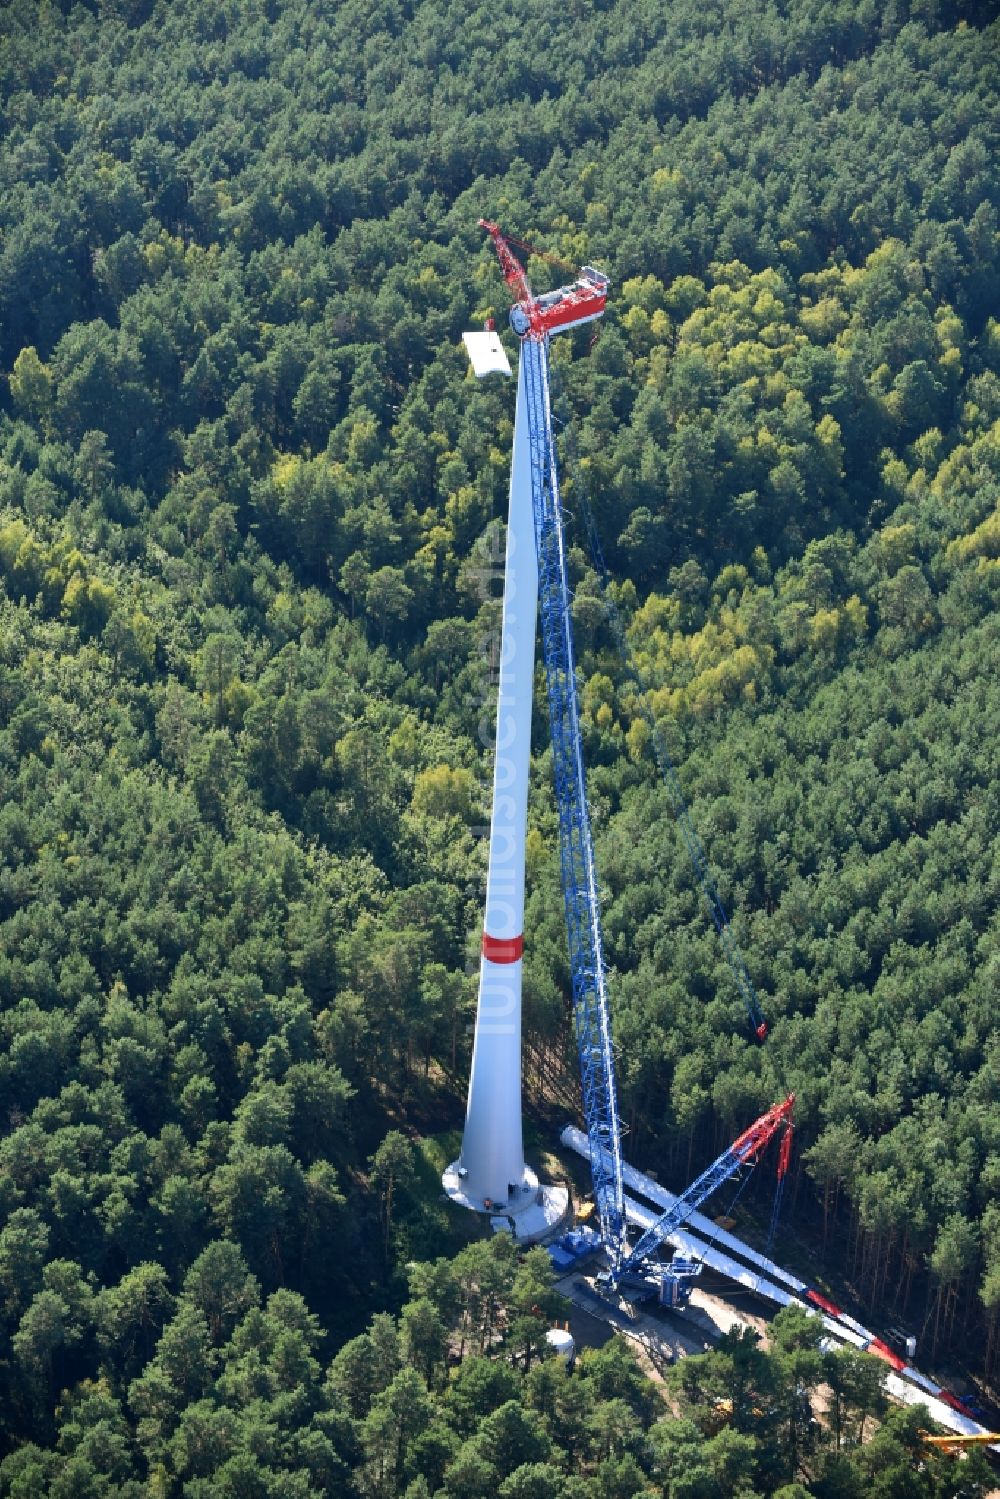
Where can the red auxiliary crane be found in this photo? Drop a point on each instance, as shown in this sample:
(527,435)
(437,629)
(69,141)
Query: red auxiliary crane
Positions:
(580,302)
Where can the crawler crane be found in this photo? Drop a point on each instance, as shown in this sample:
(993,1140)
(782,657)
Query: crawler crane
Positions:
(535,320)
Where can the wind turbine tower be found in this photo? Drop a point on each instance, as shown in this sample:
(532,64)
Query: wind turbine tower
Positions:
(490,1175)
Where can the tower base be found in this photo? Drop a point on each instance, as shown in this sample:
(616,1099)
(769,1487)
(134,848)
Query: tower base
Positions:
(529,1216)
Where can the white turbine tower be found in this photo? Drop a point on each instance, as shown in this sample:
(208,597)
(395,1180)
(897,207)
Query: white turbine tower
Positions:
(491,1175)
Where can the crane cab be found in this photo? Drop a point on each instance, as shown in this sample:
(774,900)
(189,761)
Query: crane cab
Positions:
(582,301)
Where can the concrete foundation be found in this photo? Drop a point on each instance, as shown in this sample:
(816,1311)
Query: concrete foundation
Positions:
(531,1213)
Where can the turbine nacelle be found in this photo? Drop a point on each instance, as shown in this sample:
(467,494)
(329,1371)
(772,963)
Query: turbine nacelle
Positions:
(487,354)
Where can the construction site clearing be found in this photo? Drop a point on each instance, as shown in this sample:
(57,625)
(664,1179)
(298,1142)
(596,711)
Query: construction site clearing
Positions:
(662,1335)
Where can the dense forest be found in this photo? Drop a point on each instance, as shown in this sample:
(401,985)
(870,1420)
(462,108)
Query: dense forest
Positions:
(251,516)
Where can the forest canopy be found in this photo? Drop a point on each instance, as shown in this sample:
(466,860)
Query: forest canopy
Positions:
(251,513)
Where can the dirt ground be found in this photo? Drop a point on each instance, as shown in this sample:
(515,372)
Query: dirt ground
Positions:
(659,1337)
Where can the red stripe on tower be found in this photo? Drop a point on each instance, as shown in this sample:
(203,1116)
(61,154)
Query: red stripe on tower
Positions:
(502,949)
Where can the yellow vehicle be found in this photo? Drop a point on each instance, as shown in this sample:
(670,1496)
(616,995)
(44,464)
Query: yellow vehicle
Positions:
(956,1443)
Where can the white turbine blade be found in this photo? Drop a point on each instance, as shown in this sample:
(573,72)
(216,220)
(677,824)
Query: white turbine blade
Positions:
(486,353)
